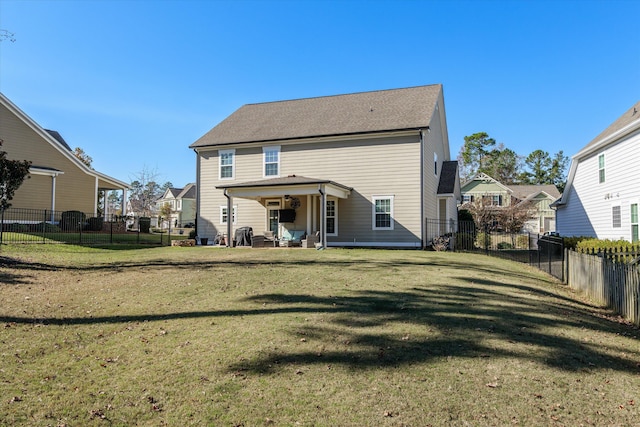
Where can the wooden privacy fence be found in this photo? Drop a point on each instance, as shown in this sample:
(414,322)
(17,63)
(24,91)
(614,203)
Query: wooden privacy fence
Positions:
(613,284)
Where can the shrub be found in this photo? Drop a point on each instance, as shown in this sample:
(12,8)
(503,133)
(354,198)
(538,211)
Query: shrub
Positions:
(145,224)
(483,240)
(95,223)
(72,221)
(47,227)
(441,243)
(15,228)
(192,234)
(522,241)
(504,245)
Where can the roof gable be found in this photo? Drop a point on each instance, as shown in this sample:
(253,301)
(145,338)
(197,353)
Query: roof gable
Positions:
(630,116)
(356,113)
(55,140)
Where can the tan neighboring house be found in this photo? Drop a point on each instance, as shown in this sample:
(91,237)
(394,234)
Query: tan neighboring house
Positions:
(183,206)
(493,193)
(362,169)
(57,180)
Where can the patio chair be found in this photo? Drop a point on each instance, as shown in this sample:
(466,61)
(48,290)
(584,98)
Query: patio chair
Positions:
(292,238)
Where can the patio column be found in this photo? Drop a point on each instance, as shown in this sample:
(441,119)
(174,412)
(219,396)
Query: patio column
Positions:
(323,214)
(309,225)
(229,218)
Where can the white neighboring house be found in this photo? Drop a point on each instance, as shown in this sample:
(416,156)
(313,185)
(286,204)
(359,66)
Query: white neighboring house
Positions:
(603,187)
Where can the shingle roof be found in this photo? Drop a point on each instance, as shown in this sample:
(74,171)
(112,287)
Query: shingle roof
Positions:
(364,112)
(56,135)
(448,175)
(287,180)
(631,115)
(188,192)
(524,191)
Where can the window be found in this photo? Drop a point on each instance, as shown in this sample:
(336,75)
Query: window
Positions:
(383,212)
(271,160)
(435,164)
(331,217)
(223,214)
(634,223)
(178,205)
(467,198)
(601,167)
(615,213)
(492,200)
(227,163)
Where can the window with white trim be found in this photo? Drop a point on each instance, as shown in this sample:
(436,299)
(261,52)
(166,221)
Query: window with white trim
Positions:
(601,168)
(332,217)
(223,214)
(271,160)
(178,205)
(634,223)
(467,198)
(382,211)
(227,163)
(616,216)
(435,164)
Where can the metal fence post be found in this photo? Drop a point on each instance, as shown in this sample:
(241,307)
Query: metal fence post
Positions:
(1,224)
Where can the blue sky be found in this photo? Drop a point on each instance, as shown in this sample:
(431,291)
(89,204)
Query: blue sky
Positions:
(133,83)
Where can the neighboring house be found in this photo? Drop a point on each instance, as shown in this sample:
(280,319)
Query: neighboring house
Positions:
(603,187)
(58,180)
(183,206)
(493,193)
(362,169)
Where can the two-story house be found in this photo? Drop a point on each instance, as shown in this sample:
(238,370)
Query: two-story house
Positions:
(58,180)
(602,194)
(182,202)
(361,169)
(494,193)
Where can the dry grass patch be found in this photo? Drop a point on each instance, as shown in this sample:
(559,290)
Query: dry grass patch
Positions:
(204,336)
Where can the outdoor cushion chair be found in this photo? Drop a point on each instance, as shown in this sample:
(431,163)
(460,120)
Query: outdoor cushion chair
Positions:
(292,238)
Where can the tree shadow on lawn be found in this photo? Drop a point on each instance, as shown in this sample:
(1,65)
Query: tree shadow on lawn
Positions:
(472,320)
(460,321)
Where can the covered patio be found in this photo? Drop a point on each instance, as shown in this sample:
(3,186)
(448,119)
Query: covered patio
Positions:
(292,189)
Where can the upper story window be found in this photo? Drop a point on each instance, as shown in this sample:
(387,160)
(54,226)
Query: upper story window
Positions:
(435,164)
(382,212)
(492,200)
(467,198)
(601,167)
(271,160)
(178,205)
(227,163)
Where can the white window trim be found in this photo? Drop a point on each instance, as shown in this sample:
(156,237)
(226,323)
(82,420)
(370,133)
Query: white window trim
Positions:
(264,160)
(603,168)
(631,223)
(373,212)
(235,214)
(233,163)
(435,164)
(619,206)
(335,217)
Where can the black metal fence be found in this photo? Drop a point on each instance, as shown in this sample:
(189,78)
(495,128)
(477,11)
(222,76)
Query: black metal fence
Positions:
(26,226)
(541,251)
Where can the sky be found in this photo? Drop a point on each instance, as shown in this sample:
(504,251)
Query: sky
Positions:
(134,83)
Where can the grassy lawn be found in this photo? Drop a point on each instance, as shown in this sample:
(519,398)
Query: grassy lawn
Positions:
(287,337)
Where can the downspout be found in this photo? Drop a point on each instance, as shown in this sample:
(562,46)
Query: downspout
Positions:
(423,220)
(323,213)
(229,217)
(53,197)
